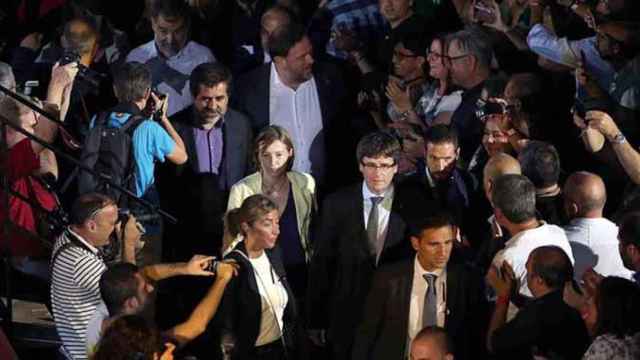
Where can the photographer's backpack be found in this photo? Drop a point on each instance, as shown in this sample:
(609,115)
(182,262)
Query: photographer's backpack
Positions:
(108,150)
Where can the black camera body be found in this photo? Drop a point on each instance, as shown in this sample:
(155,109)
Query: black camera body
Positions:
(486,108)
(92,77)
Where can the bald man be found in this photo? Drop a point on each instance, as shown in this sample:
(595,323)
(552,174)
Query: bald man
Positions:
(493,238)
(593,239)
(431,343)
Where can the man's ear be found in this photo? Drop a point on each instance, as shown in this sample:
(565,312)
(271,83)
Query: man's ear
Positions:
(415,243)
(131,303)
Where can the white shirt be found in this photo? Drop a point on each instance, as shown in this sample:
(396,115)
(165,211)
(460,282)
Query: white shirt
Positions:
(384,211)
(274,300)
(191,55)
(94,329)
(418,292)
(517,249)
(594,243)
(299,112)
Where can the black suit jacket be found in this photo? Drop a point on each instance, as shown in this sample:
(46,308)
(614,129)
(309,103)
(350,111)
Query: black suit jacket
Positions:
(383,331)
(240,311)
(238,141)
(251,96)
(342,266)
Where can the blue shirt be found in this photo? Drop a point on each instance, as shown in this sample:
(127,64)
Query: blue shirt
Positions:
(209,148)
(150,142)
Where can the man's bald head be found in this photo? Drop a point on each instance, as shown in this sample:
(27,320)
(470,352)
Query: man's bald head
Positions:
(432,343)
(584,195)
(498,165)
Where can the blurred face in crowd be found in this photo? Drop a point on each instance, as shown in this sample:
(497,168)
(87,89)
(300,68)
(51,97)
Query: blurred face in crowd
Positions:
(434,247)
(274,158)
(298,62)
(437,69)
(406,64)
(607,7)
(170,34)
(101,225)
(142,294)
(459,64)
(211,103)
(629,253)
(589,313)
(28,119)
(441,159)
(395,10)
(495,139)
(428,349)
(263,232)
(271,20)
(378,172)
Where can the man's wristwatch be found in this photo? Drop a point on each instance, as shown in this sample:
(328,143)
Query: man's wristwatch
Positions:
(618,139)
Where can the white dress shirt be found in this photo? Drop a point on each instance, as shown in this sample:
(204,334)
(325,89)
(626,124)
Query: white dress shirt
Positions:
(418,292)
(594,243)
(517,249)
(298,111)
(384,210)
(191,55)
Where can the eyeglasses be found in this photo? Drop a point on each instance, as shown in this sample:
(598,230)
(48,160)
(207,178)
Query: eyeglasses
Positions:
(435,55)
(402,56)
(451,59)
(383,167)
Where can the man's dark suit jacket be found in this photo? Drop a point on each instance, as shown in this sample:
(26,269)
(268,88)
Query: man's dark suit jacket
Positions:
(383,331)
(200,200)
(251,96)
(342,266)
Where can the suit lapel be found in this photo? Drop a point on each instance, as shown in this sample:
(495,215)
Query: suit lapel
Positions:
(453,281)
(324,95)
(404,302)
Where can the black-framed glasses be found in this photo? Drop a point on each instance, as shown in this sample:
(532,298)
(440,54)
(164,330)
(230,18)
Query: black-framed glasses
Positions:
(383,167)
(402,56)
(435,55)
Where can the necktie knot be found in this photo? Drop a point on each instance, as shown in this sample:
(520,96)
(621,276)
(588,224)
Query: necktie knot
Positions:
(376,200)
(431,279)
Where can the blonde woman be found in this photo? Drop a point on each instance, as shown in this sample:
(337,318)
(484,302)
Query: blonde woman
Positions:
(292,192)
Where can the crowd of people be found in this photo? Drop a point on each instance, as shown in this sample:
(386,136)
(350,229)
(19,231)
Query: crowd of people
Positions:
(334,179)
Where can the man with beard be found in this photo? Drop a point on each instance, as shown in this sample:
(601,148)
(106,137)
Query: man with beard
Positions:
(217,141)
(304,97)
(170,55)
(440,185)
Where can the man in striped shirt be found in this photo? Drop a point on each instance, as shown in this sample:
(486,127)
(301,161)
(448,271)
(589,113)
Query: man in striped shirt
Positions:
(77,265)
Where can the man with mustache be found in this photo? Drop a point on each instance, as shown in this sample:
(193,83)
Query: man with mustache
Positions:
(171,56)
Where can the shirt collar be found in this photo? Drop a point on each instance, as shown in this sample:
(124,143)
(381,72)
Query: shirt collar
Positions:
(177,55)
(83,241)
(368,194)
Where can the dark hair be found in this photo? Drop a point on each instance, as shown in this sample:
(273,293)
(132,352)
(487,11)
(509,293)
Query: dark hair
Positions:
(629,231)
(209,75)
(618,304)
(378,144)
(283,38)
(117,284)
(433,221)
(169,9)
(495,85)
(253,208)
(552,265)
(442,339)
(441,134)
(129,337)
(86,206)
(529,91)
(540,163)
(515,196)
(414,42)
(268,136)
(131,81)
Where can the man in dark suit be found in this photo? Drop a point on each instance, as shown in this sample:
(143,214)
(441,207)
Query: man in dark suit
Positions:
(440,185)
(304,97)
(359,230)
(427,291)
(218,142)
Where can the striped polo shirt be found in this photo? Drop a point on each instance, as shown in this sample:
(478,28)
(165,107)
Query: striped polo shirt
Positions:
(75,291)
